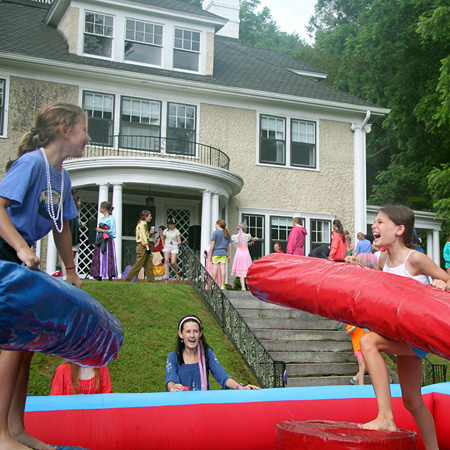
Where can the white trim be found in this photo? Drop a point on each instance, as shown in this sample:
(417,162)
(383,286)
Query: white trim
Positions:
(119,77)
(306,73)
(7,79)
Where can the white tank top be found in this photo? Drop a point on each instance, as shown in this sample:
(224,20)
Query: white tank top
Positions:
(401,270)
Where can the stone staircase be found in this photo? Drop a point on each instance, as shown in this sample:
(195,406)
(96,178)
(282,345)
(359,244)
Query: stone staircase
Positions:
(317,351)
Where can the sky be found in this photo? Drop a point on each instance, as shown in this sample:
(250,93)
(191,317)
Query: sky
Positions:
(291,15)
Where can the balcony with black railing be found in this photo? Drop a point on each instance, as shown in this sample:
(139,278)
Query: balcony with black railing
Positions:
(159,147)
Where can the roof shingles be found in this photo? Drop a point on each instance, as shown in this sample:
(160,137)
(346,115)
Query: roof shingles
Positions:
(235,65)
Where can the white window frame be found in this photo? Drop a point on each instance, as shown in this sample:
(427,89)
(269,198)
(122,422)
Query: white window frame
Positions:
(276,121)
(114,112)
(288,141)
(6,79)
(187,50)
(325,234)
(84,33)
(150,44)
(308,141)
(268,213)
(141,101)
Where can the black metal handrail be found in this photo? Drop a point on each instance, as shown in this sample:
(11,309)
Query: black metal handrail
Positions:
(155,146)
(268,371)
(431,373)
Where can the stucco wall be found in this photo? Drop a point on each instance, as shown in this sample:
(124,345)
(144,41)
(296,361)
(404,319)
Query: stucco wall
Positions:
(69,28)
(26,98)
(329,190)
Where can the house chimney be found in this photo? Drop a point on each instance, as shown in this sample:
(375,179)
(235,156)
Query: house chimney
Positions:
(228,9)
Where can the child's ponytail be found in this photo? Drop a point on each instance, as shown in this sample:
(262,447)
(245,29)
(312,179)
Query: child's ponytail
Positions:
(222,224)
(47,126)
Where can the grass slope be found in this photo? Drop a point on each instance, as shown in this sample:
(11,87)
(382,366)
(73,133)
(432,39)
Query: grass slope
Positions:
(149,314)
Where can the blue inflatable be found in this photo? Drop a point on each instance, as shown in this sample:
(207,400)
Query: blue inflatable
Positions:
(40,313)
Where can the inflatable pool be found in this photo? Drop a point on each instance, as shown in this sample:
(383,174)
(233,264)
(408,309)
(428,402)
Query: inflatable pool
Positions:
(228,420)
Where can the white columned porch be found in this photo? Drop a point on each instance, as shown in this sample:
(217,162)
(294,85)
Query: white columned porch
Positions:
(214,210)
(205,238)
(52,254)
(360,174)
(117,204)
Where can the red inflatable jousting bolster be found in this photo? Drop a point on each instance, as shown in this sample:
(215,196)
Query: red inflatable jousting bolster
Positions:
(324,434)
(393,306)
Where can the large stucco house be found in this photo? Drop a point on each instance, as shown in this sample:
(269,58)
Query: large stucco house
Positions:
(185,121)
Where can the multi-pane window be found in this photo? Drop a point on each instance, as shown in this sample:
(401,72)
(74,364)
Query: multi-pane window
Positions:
(255,226)
(279,231)
(100,111)
(181,129)
(2,105)
(320,233)
(98,34)
(272,140)
(303,143)
(140,124)
(143,42)
(186,49)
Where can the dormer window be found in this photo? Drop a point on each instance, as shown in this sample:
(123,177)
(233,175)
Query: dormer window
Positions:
(186,49)
(98,34)
(143,42)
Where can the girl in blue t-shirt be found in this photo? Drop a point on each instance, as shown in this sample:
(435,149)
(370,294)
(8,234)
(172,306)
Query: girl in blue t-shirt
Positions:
(220,250)
(35,197)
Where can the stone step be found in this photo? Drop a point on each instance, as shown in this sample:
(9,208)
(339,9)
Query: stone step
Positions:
(292,324)
(298,335)
(307,346)
(317,352)
(307,335)
(314,357)
(321,381)
(318,369)
(281,313)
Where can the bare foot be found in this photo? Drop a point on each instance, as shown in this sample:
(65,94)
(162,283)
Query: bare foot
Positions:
(8,443)
(380,424)
(31,442)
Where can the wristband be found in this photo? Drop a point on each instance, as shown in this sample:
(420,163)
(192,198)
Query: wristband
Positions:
(70,268)
(240,384)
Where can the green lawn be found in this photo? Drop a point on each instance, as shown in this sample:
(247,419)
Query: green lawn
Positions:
(149,314)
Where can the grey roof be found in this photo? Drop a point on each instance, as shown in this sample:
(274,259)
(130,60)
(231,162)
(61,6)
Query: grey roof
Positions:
(179,6)
(235,65)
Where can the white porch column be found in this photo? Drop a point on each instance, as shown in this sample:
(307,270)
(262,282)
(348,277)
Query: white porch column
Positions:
(430,244)
(360,190)
(214,210)
(205,238)
(52,254)
(436,248)
(117,204)
(103,194)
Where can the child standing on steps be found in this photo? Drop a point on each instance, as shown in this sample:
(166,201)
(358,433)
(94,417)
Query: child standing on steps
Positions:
(220,250)
(35,197)
(242,259)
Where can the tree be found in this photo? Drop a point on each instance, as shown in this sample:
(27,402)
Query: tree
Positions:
(259,29)
(385,57)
